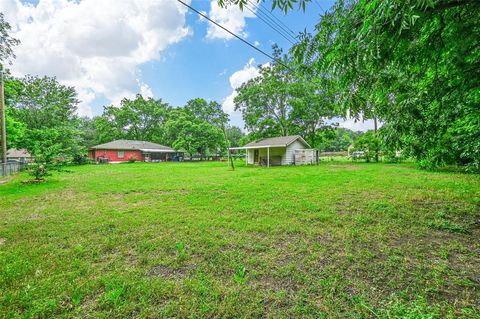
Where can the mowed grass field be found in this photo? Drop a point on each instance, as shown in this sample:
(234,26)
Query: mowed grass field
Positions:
(338,240)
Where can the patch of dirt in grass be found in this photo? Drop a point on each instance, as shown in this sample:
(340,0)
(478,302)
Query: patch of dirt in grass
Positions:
(427,203)
(413,261)
(34,217)
(272,283)
(169,272)
(2,241)
(355,201)
(90,301)
(449,216)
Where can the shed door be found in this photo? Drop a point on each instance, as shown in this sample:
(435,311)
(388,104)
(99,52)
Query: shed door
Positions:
(255,156)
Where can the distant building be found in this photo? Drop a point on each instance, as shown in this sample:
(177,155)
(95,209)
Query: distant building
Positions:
(20,155)
(128,150)
(284,150)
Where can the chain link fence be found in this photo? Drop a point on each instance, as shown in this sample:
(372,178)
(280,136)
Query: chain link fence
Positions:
(12,168)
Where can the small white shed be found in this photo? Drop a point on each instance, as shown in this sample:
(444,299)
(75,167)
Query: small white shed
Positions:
(279,151)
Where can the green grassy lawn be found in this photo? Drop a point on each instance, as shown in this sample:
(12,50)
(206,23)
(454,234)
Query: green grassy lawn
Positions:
(339,240)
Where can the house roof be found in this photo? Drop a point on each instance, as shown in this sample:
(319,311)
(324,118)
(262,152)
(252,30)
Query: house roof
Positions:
(281,141)
(13,153)
(134,145)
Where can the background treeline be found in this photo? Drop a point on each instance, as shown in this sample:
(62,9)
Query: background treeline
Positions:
(42,119)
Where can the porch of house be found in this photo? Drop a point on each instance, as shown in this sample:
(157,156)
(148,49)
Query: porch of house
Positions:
(264,156)
(161,156)
(268,156)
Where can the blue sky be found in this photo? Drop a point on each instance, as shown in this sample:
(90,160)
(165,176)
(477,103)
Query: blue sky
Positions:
(109,49)
(199,67)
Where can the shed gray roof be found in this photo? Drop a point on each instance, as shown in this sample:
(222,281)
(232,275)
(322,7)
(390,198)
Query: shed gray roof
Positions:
(132,145)
(14,153)
(281,141)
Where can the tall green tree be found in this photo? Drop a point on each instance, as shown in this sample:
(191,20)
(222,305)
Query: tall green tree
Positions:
(264,100)
(45,103)
(234,136)
(15,129)
(137,119)
(47,110)
(339,141)
(194,135)
(210,112)
(312,108)
(284,101)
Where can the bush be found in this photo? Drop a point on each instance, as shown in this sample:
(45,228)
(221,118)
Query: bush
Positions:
(79,159)
(132,159)
(39,171)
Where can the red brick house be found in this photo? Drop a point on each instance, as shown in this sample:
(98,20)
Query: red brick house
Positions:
(126,150)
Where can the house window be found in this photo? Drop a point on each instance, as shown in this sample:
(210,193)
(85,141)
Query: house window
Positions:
(120,154)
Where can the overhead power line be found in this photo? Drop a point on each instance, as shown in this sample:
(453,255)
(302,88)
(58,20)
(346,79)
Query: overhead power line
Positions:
(272,17)
(318,4)
(233,34)
(269,24)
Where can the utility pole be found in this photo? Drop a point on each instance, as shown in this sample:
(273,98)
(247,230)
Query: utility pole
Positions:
(2,116)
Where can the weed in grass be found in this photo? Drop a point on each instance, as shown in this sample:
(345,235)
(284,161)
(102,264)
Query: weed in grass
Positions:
(240,275)
(419,308)
(442,223)
(114,295)
(79,249)
(76,298)
(180,247)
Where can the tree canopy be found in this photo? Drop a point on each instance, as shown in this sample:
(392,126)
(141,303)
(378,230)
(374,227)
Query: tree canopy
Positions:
(7,42)
(279,102)
(136,119)
(403,63)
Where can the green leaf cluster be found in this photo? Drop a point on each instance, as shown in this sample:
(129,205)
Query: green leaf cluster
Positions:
(412,64)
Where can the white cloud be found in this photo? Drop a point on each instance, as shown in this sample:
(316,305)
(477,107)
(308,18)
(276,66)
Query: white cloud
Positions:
(358,125)
(145,90)
(248,72)
(231,17)
(201,18)
(96,46)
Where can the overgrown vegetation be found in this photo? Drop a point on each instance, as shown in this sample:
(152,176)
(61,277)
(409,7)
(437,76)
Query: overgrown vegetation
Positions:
(412,64)
(198,240)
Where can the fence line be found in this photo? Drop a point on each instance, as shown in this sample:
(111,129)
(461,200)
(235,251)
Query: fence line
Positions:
(11,168)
